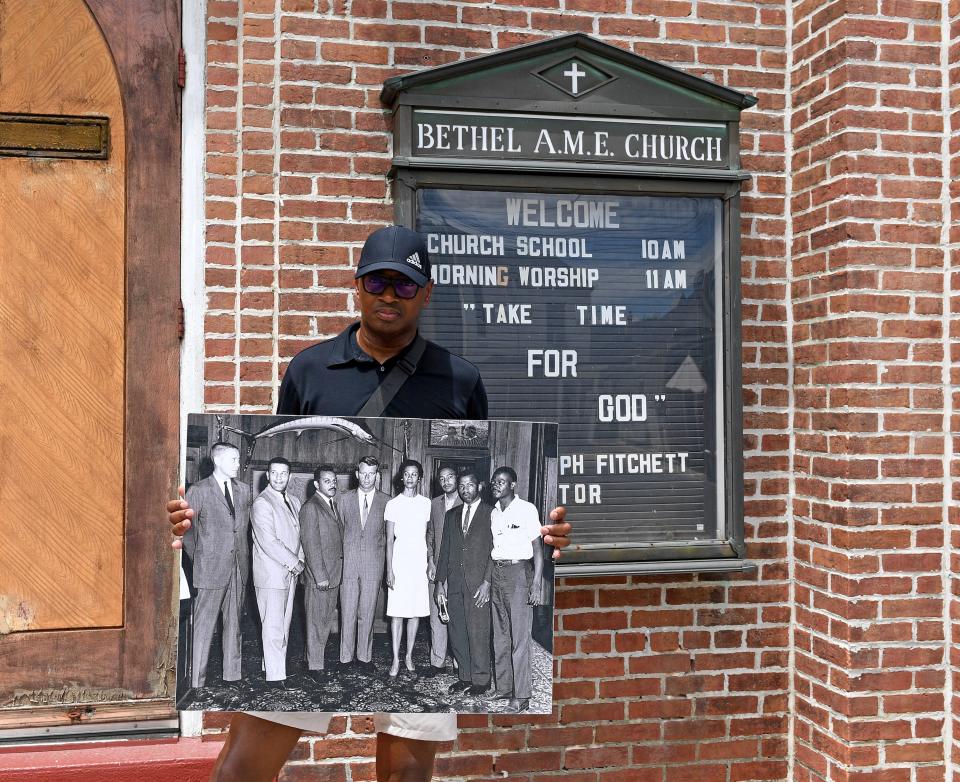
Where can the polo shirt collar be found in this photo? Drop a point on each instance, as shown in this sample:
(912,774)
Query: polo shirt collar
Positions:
(345,350)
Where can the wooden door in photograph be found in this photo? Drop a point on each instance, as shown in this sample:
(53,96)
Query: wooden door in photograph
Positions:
(89,280)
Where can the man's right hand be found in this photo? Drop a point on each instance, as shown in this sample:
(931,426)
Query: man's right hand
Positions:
(179,514)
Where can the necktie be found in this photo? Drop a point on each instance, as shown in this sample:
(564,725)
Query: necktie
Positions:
(226,493)
(287,503)
(467,513)
(363,513)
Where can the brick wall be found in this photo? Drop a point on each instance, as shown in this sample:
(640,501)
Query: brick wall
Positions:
(953,411)
(868,271)
(683,677)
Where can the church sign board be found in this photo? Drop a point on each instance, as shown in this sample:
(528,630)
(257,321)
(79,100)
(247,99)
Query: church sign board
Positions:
(580,205)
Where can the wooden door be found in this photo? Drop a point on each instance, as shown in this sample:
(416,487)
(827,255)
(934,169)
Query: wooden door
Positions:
(89,280)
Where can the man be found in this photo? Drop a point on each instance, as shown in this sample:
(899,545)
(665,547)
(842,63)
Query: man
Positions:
(451,437)
(217,545)
(337,377)
(463,580)
(516,588)
(321,535)
(364,561)
(438,511)
(277,561)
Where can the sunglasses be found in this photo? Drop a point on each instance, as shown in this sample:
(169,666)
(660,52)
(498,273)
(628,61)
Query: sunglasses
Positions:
(402,287)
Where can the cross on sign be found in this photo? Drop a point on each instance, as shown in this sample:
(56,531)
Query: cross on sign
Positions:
(575,75)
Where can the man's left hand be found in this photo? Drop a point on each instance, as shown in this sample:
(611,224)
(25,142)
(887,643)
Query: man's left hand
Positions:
(535,595)
(557,534)
(482,594)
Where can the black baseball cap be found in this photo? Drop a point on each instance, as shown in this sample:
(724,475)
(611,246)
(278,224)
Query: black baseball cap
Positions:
(397,248)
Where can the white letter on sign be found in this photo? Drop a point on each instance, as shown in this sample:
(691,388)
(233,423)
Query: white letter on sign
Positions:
(555,363)
(622,407)
(424,136)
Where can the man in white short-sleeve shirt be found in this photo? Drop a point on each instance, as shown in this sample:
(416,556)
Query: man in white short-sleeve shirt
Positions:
(517,586)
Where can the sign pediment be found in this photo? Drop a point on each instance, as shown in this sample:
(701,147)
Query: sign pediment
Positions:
(569,74)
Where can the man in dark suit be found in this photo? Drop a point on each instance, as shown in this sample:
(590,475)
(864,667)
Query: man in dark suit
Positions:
(364,561)
(321,535)
(217,545)
(438,511)
(463,580)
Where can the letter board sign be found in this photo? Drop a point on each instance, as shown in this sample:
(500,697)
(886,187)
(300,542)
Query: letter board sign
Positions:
(579,225)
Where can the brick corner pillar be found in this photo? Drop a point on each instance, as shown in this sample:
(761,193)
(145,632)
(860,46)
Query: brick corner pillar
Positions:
(868,268)
(953,157)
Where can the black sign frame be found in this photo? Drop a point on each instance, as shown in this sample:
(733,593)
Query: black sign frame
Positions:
(412,172)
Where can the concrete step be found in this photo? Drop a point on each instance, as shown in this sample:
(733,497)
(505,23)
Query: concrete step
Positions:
(165,760)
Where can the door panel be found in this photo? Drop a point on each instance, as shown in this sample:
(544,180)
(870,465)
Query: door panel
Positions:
(89,357)
(62,320)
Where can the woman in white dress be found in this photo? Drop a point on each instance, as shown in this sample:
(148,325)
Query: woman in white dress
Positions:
(408,594)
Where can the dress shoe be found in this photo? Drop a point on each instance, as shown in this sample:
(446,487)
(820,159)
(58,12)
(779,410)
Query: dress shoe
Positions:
(478,689)
(432,671)
(519,705)
(501,696)
(279,684)
(458,686)
(318,675)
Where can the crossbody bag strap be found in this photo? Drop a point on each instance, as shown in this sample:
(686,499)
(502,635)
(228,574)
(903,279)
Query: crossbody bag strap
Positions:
(393,382)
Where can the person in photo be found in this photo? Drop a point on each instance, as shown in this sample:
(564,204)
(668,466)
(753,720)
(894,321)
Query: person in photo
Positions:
(463,580)
(364,557)
(408,595)
(517,587)
(321,536)
(449,498)
(338,377)
(277,562)
(216,543)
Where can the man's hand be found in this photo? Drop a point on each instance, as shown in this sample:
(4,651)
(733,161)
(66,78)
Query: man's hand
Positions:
(440,593)
(483,594)
(297,570)
(535,596)
(391,580)
(556,534)
(179,514)
(431,572)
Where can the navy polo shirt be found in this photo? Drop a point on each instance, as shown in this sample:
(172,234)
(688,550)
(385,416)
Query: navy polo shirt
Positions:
(336,377)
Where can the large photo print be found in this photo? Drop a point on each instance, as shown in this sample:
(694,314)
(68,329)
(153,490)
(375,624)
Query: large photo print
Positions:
(367,564)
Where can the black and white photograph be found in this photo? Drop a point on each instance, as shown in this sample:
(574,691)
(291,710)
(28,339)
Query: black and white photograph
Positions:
(367,565)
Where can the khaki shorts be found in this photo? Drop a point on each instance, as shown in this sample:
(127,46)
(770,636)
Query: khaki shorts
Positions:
(422,727)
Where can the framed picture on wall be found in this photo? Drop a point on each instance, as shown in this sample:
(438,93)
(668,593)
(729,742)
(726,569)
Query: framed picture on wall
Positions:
(445,433)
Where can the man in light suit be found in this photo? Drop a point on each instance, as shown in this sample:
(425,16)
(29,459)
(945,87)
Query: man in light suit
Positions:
(438,511)
(217,545)
(277,561)
(364,561)
(321,535)
(463,580)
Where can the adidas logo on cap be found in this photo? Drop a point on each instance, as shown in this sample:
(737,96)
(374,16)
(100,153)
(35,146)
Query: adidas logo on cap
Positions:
(414,260)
